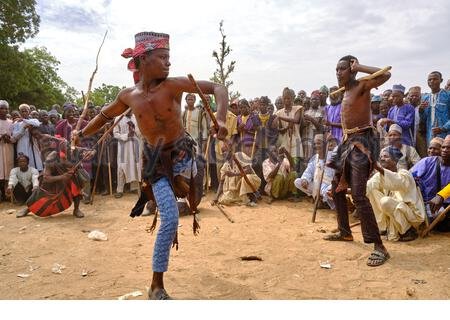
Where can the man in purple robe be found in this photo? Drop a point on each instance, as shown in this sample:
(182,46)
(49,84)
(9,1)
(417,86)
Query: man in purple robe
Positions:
(432,174)
(333,114)
(401,114)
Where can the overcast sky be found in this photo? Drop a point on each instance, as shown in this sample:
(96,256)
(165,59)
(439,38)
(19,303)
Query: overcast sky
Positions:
(276,43)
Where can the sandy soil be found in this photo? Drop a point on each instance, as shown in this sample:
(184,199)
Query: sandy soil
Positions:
(209,266)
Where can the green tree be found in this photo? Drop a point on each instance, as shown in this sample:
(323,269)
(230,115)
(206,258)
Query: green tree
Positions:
(71,94)
(31,77)
(18,21)
(104,94)
(222,73)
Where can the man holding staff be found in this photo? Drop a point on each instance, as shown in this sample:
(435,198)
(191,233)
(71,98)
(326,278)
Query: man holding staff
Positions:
(155,101)
(357,155)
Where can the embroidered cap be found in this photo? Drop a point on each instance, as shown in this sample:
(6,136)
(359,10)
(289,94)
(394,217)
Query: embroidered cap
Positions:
(376,99)
(145,42)
(398,88)
(395,127)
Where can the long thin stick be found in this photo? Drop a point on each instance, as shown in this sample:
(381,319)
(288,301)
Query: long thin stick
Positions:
(368,77)
(97,173)
(207,162)
(86,98)
(216,125)
(254,143)
(223,212)
(316,202)
(108,154)
(104,136)
(355,224)
(438,219)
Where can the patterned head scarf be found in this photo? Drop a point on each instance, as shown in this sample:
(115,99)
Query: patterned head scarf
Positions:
(145,42)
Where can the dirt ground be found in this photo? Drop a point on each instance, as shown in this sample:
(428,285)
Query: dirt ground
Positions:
(209,266)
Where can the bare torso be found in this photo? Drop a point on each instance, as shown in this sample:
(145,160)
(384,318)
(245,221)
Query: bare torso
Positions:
(157,112)
(356,111)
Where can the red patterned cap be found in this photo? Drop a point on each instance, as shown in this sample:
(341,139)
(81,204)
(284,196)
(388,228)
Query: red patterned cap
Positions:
(145,42)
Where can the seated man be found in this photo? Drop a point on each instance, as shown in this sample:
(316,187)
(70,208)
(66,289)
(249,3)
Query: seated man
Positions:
(279,173)
(434,149)
(22,181)
(233,188)
(410,156)
(61,184)
(309,181)
(432,174)
(395,198)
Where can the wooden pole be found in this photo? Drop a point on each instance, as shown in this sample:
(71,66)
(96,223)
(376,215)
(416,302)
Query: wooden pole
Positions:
(368,77)
(97,173)
(316,202)
(104,136)
(438,219)
(86,98)
(109,171)
(223,212)
(216,125)
(254,143)
(207,163)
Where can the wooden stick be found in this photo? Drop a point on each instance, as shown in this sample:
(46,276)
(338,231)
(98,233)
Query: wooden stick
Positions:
(97,173)
(216,125)
(103,137)
(207,162)
(438,219)
(316,202)
(86,98)
(223,212)
(254,143)
(108,154)
(355,224)
(368,77)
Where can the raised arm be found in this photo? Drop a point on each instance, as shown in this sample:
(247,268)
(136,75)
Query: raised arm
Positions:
(372,83)
(220,92)
(297,117)
(116,108)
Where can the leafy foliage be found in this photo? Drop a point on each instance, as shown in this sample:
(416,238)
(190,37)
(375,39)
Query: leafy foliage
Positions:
(222,73)
(18,21)
(104,94)
(30,77)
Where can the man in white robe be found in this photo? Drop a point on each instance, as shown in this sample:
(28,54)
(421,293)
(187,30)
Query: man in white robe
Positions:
(25,143)
(128,153)
(233,188)
(395,198)
(6,148)
(310,179)
(289,118)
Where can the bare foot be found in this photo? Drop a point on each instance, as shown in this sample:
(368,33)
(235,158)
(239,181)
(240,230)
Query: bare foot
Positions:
(78,213)
(158,294)
(22,213)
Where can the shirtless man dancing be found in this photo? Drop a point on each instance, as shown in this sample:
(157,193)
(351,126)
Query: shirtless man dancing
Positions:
(155,101)
(357,156)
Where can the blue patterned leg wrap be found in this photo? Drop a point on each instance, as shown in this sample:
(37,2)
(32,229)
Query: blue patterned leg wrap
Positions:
(168,212)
